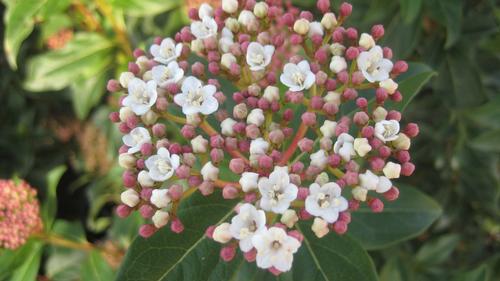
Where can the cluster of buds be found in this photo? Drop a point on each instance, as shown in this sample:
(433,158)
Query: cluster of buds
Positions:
(304,126)
(19,213)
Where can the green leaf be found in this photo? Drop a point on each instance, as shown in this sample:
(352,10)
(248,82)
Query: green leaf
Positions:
(140,8)
(85,56)
(10,260)
(87,92)
(405,218)
(488,141)
(50,202)
(418,76)
(437,251)
(28,271)
(19,22)
(479,274)
(96,268)
(452,11)
(187,256)
(485,115)
(410,9)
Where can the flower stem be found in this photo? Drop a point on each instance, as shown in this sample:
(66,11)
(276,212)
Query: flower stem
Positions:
(301,132)
(211,132)
(56,240)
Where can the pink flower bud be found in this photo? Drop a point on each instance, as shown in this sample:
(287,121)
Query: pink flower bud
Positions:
(305,145)
(351,53)
(411,130)
(338,35)
(209,232)
(206,188)
(306,15)
(175,148)
(378,31)
(397,96)
(376,205)
(231,143)
(375,143)
(407,169)
(276,136)
(129,178)
(175,192)
(114,117)
(216,141)
(317,40)
(400,67)
(361,118)
(351,178)
(250,197)
(330,108)
(381,95)
(113,86)
(352,33)
(244,145)
(394,115)
(235,69)
(237,165)
(146,193)
(188,131)
(350,94)
(176,226)
(124,129)
(194,181)
(345,9)
(303,193)
(183,171)
(330,84)
(288,19)
(392,194)
(230,192)
(214,68)
(146,211)
(123,210)
(377,164)
(384,151)
(265,162)
(321,55)
(193,14)
(316,102)
(309,118)
(304,215)
(227,253)
(387,52)
(295,39)
(159,130)
(353,204)
(134,68)
(345,217)
(217,155)
(334,160)
(250,256)
(147,230)
(297,235)
(323,6)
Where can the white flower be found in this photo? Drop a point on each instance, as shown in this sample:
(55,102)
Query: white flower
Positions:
(361,146)
(136,138)
(325,201)
(387,130)
(196,98)
(271,93)
(160,198)
(389,85)
(167,51)
(392,170)
(297,76)
(209,172)
(125,112)
(289,218)
(337,49)
(246,18)
(366,41)
(227,127)
(230,6)
(403,142)
(329,20)
(384,184)
(315,28)
(205,10)
(256,117)
(277,191)
(258,56)
(125,77)
(144,179)
(275,249)
(248,181)
(259,146)
(359,193)
(368,180)
(141,95)
(226,40)
(130,197)
(338,64)
(328,129)
(199,144)
(301,26)
(160,218)
(260,9)
(320,227)
(379,114)
(197,46)
(246,224)
(319,159)
(205,28)
(162,165)
(227,59)
(164,75)
(222,234)
(344,146)
(373,65)
(126,161)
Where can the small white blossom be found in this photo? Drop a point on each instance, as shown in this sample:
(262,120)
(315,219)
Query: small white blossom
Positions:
(328,21)
(130,197)
(209,172)
(226,40)
(227,59)
(319,159)
(338,64)
(297,77)
(167,51)
(387,130)
(160,198)
(126,161)
(271,93)
(136,138)
(256,117)
(205,10)
(275,249)
(344,146)
(373,65)
(141,95)
(196,98)
(162,165)
(197,46)
(230,6)
(315,28)
(160,218)
(384,184)
(199,144)
(164,75)
(205,28)
(392,170)
(149,118)
(125,77)
(379,114)
(368,180)
(144,179)
(258,56)
(232,24)
(403,142)
(389,85)
(366,41)
(359,193)
(325,201)
(259,146)
(328,128)
(301,26)
(333,97)
(222,234)
(125,112)
(227,127)
(320,227)
(246,224)
(246,18)
(248,181)
(289,218)
(277,191)
(361,146)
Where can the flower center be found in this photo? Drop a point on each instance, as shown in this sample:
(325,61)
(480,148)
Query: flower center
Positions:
(163,166)
(276,244)
(389,131)
(141,96)
(323,200)
(257,58)
(168,52)
(166,74)
(298,78)
(275,194)
(138,137)
(195,97)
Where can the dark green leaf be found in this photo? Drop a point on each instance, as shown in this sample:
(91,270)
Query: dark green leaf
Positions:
(10,260)
(410,9)
(437,251)
(19,21)
(87,92)
(87,55)
(418,77)
(50,203)
(95,268)
(28,271)
(479,274)
(402,219)
(488,141)
(452,10)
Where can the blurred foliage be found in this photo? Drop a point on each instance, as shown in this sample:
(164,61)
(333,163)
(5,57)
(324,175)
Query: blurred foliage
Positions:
(58,54)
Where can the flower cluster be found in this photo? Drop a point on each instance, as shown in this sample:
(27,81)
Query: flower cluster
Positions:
(19,213)
(304,125)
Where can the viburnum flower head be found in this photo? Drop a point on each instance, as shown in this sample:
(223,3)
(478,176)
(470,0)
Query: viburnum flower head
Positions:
(266,105)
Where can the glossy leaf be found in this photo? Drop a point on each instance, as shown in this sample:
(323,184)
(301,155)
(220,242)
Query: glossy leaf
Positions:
(96,268)
(402,219)
(10,260)
(87,55)
(28,271)
(412,84)
(19,21)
